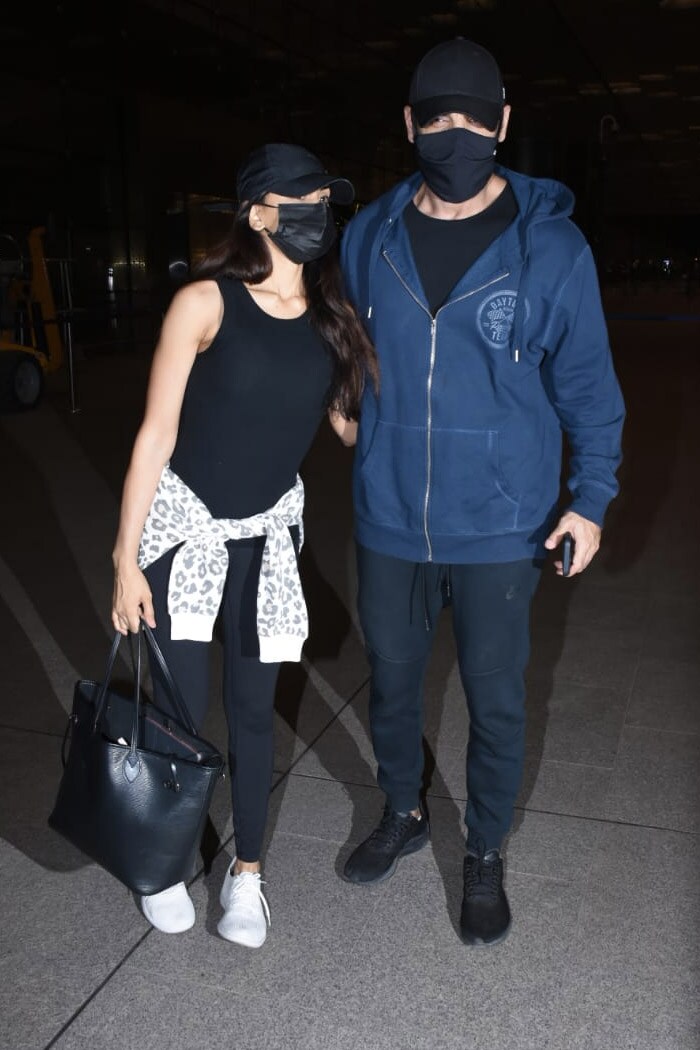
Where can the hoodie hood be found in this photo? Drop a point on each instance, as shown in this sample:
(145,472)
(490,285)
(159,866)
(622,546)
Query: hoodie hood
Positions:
(539,201)
(537,198)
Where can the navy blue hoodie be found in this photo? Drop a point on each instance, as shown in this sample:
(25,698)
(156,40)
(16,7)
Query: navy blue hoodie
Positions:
(459,456)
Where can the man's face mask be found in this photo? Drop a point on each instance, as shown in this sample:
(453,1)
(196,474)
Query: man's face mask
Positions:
(304,231)
(457,163)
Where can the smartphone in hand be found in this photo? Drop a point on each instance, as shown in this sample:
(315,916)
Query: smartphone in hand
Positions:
(567,553)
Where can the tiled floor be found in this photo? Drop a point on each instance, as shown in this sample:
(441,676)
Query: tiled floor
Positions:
(603,861)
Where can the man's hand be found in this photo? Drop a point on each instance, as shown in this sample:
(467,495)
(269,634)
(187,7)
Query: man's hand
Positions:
(586,535)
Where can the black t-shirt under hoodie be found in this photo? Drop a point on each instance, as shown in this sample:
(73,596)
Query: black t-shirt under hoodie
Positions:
(444,249)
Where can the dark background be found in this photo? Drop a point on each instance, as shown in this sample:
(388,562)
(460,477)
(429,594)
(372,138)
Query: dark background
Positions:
(123,124)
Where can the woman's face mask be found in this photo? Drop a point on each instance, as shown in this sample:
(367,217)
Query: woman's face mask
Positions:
(456,164)
(304,231)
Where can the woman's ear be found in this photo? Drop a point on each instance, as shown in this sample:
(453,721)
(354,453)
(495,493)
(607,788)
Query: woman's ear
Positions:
(255,219)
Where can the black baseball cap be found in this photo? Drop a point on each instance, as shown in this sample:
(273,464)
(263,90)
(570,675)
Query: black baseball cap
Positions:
(457,76)
(292,171)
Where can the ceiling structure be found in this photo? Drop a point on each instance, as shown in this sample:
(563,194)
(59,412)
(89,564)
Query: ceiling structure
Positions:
(616,83)
(621,77)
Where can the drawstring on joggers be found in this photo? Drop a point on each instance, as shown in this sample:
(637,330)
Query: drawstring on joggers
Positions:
(420,581)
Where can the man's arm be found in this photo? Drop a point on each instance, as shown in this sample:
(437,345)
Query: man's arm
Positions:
(581,383)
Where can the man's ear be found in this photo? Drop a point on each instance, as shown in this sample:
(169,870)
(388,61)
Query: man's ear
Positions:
(504,124)
(408,121)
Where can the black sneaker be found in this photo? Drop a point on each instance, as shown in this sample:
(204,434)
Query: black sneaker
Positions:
(396,835)
(485,915)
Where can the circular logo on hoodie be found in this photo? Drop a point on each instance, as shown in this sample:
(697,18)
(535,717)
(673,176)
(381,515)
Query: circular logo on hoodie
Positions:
(495,316)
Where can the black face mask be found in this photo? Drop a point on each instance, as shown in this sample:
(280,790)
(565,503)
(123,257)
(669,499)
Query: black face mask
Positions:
(456,164)
(304,231)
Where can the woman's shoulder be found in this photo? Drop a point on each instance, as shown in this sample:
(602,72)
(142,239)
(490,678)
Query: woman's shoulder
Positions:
(199,292)
(195,307)
(200,298)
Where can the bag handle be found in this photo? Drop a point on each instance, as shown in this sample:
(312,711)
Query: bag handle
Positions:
(104,685)
(175,695)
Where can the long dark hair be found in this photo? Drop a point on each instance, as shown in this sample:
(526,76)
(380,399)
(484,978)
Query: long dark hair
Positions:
(243,254)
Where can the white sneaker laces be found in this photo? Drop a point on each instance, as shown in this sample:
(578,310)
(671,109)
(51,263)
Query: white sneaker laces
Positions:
(246,892)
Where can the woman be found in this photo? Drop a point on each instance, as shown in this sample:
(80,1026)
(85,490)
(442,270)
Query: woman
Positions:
(251,355)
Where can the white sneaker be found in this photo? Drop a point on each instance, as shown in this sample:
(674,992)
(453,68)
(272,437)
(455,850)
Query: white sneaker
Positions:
(171,910)
(246,912)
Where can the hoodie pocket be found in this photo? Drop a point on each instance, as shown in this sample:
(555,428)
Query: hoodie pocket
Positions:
(469,495)
(391,477)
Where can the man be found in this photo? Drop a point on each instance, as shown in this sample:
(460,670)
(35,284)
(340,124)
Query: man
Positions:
(482,299)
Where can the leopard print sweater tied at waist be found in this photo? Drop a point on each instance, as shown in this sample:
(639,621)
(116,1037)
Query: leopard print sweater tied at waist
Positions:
(199,568)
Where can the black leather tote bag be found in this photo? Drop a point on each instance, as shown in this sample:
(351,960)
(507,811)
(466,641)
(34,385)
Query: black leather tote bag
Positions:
(137,783)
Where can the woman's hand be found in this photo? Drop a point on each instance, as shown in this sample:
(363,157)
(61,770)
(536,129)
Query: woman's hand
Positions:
(346,429)
(132,600)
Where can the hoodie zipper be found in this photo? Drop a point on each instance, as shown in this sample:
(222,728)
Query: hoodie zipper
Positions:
(429,393)
(429,385)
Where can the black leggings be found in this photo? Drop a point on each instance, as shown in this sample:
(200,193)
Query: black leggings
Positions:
(248,686)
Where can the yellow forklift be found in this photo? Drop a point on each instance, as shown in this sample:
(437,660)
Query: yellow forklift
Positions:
(31,332)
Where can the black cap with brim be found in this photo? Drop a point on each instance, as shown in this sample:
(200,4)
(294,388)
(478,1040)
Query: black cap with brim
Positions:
(487,113)
(291,171)
(457,76)
(342,191)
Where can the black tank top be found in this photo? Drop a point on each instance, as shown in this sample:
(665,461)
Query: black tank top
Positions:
(252,406)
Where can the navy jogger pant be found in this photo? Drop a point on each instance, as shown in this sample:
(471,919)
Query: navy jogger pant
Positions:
(399,604)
